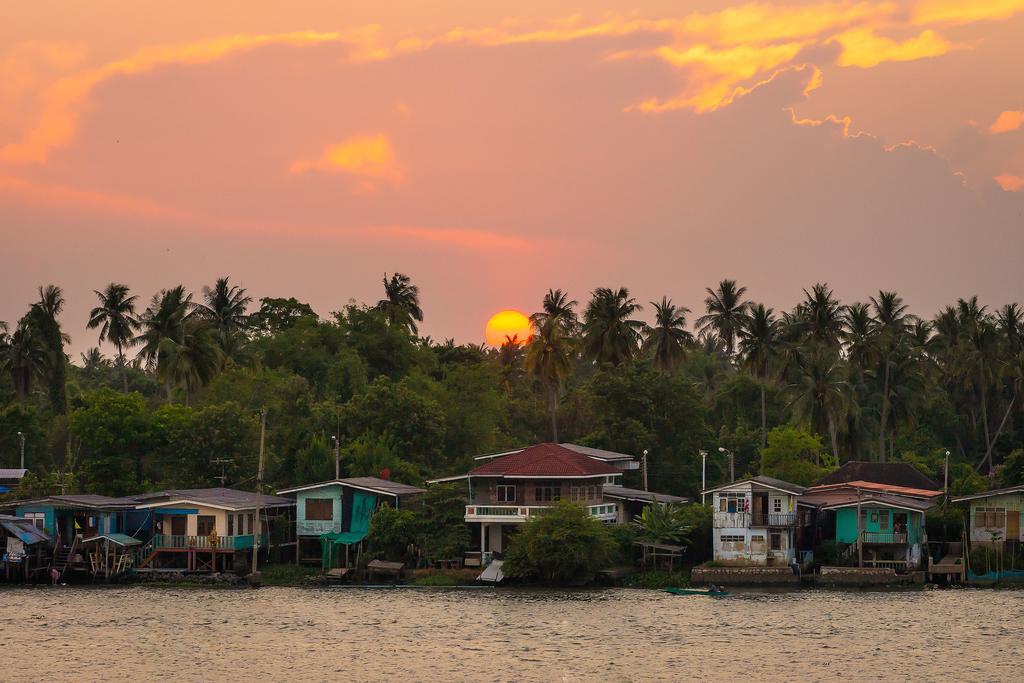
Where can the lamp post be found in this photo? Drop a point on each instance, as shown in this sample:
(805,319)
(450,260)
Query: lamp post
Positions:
(337,457)
(21,435)
(643,463)
(703,474)
(732,463)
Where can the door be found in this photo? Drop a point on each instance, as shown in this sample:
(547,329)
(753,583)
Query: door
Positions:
(1012,525)
(179,525)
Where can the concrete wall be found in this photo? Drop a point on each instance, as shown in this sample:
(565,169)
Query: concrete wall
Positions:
(744,576)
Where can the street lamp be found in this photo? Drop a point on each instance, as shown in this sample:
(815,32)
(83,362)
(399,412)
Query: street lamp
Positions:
(703,474)
(732,463)
(337,458)
(21,435)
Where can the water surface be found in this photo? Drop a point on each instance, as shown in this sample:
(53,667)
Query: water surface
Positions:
(278,634)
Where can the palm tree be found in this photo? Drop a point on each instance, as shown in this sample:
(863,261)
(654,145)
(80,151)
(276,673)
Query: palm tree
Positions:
(819,392)
(549,358)
(858,338)
(164,321)
(823,316)
(759,345)
(610,335)
(726,312)
(43,316)
(892,326)
(668,338)
(401,302)
(510,361)
(558,306)
(23,355)
(1010,320)
(190,360)
(225,307)
(115,316)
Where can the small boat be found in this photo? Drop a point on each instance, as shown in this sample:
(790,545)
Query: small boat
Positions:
(697,591)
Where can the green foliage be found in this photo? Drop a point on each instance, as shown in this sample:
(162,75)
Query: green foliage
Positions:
(413,424)
(393,531)
(963,480)
(286,574)
(443,532)
(24,418)
(663,523)
(114,432)
(441,580)
(277,315)
(565,546)
(656,580)
(1012,471)
(795,456)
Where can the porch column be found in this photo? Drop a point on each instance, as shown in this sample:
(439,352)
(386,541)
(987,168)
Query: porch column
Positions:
(483,538)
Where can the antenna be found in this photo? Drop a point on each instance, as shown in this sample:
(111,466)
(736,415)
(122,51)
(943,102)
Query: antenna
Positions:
(223,462)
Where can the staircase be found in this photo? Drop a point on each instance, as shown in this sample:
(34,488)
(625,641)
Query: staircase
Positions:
(62,557)
(149,552)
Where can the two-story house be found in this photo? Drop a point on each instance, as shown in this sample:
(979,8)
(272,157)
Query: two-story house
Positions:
(337,512)
(754,521)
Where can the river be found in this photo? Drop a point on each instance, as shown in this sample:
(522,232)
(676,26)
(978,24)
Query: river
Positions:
(439,635)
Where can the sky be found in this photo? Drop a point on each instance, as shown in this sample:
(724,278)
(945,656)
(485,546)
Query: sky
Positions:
(494,150)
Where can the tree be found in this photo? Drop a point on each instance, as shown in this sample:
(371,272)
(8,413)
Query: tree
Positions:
(565,546)
(759,340)
(818,393)
(443,531)
(393,531)
(23,356)
(225,307)
(191,359)
(726,312)
(559,307)
(822,316)
(548,359)
(277,315)
(795,456)
(891,329)
(114,432)
(43,317)
(511,355)
(668,338)
(663,523)
(610,335)
(401,302)
(161,324)
(115,316)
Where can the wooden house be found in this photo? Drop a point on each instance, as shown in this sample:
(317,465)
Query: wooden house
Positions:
(995,516)
(25,549)
(754,522)
(337,512)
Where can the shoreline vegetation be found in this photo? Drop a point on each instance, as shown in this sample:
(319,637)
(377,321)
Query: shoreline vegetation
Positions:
(790,394)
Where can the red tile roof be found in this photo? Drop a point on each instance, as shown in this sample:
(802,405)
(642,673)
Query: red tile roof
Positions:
(544,460)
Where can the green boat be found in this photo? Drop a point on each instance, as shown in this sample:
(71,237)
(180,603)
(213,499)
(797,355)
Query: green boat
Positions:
(697,591)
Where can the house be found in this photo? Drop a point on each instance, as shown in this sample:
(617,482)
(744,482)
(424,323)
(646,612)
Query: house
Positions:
(208,529)
(995,516)
(10,478)
(337,512)
(508,488)
(25,549)
(631,502)
(889,530)
(622,461)
(754,522)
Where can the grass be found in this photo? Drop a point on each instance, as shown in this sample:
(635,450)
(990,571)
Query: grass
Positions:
(657,580)
(286,574)
(441,579)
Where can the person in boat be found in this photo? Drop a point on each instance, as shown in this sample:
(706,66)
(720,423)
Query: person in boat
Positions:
(713,588)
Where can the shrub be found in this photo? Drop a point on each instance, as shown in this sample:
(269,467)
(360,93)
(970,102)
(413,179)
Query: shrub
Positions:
(565,546)
(657,579)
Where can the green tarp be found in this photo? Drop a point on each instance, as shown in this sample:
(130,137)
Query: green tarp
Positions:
(363,505)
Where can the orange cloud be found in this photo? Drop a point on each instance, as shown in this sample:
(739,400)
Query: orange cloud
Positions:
(864,48)
(964,11)
(1007,121)
(363,156)
(62,102)
(1010,182)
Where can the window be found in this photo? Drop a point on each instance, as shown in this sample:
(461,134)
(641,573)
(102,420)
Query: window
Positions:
(38,518)
(584,493)
(319,509)
(735,543)
(732,502)
(776,505)
(883,520)
(547,494)
(205,525)
(231,525)
(776,540)
(989,518)
(250,523)
(506,493)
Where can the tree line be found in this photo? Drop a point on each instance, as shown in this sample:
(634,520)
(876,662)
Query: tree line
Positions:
(786,392)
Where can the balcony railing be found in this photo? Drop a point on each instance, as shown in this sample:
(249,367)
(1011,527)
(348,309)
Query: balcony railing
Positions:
(746,520)
(520,513)
(884,537)
(167,542)
(316,527)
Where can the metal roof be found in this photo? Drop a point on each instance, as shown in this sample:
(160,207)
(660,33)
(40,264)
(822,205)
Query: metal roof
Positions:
(831,500)
(770,482)
(24,529)
(545,460)
(12,473)
(988,494)
(891,473)
(374,484)
(624,493)
(120,539)
(596,453)
(88,501)
(229,499)
(881,488)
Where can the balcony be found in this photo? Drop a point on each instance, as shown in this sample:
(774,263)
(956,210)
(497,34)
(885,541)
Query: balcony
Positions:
(747,520)
(317,527)
(225,543)
(884,537)
(512,514)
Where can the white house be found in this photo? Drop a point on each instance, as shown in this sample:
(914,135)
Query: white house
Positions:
(754,521)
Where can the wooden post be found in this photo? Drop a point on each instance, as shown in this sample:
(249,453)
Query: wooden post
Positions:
(860,535)
(259,488)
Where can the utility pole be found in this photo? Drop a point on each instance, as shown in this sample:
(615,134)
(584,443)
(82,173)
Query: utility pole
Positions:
(21,435)
(732,463)
(223,462)
(945,477)
(643,464)
(703,474)
(860,535)
(259,491)
(337,457)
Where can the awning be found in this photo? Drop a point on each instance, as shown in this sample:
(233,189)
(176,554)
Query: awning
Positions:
(28,532)
(123,540)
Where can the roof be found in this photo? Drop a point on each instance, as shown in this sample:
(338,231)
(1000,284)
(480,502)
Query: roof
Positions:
(770,482)
(843,499)
(24,529)
(374,484)
(544,460)
(228,499)
(881,488)
(12,473)
(120,539)
(613,491)
(596,453)
(89,501)
(988,494)
(891,473)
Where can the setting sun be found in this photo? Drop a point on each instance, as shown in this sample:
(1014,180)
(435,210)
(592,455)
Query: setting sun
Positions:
(511,324)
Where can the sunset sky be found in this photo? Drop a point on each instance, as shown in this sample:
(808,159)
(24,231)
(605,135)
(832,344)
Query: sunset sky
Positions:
(494,150)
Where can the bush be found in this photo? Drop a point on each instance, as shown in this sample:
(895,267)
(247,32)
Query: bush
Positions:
(657,579)
(393,531)
(565,546)
(441,580)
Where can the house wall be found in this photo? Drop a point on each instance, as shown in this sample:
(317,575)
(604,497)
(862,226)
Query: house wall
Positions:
(1012,504)
(485,490)
(192,519)
(846,523)
(736,542)
(49,521)
(334,492)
